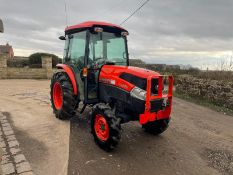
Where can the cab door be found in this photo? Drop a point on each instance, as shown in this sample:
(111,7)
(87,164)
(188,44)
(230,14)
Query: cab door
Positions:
(74,55)
(91,85)
(93,70)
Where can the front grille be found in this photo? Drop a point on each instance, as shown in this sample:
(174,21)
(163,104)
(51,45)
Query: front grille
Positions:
(156,105)
(154,86)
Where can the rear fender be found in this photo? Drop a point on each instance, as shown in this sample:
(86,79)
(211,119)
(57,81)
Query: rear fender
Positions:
(71,75)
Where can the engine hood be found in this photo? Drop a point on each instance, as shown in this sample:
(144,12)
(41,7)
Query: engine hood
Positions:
(118,70)
(126,77)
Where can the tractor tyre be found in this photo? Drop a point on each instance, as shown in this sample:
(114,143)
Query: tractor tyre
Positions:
(105,127)
(63,99)
(156,127)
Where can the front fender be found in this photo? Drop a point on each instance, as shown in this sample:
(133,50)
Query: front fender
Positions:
(71,75)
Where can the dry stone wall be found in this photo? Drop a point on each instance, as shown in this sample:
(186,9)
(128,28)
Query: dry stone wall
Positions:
(26,73)
(45,72)
(217,92)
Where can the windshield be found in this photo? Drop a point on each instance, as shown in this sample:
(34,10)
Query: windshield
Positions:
(107,47)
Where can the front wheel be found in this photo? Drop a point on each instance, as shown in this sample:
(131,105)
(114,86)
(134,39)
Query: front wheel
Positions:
(63,99)
(156,127)
(105,126)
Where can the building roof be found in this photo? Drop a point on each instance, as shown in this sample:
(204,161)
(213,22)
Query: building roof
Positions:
(5,48)
(90,24)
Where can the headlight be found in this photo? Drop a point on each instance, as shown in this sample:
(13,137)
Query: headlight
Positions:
(138,93)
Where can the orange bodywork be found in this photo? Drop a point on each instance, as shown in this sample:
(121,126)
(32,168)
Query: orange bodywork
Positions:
(162,114)
(71,75)
(112,72)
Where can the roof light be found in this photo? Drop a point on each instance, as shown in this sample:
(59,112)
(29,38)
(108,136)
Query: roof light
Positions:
(124,33)
(98,29)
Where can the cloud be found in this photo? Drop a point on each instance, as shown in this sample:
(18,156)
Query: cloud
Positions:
(164,31)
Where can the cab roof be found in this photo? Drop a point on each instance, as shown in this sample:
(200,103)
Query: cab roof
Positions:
(91,24)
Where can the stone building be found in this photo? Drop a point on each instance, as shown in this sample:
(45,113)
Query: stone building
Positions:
(7,49)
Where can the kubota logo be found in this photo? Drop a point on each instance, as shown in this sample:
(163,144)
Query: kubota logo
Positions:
(108,81)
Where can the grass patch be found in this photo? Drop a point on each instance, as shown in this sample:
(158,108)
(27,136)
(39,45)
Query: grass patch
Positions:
(204,102)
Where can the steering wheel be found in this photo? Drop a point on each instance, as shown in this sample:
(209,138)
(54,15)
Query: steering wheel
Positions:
(99,61)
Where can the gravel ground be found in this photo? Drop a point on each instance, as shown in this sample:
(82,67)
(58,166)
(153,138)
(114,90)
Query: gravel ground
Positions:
(43,140)
(13,160)
(198,141)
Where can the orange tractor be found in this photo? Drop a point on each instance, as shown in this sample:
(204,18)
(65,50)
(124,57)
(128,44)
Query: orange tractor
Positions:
(96,72)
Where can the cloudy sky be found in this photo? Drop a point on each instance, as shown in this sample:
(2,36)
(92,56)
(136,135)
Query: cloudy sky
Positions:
(198,32)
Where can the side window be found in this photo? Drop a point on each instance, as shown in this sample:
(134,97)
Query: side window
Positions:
(95,49)
(116,49)
(76,53)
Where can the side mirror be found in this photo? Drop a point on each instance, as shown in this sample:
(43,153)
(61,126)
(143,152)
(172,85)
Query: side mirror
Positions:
(1,26)
(62,38)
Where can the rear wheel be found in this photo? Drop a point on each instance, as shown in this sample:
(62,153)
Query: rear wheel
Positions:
(156,127)
(105,126)
(63,99)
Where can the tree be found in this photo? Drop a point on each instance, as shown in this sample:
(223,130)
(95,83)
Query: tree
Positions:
(35,58)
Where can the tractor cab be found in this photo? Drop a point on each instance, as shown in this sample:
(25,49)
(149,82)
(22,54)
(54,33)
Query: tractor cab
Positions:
(89,46)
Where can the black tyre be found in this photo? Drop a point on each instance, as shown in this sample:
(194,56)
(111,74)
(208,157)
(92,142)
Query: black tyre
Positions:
(105,127)
(156,127)
(63,99)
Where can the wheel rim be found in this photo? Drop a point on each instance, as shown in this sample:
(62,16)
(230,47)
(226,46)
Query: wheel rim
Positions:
(101,128)
(57,96)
